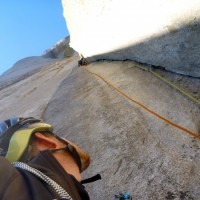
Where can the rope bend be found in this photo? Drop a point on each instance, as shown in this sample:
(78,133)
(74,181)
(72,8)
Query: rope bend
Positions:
(195,135)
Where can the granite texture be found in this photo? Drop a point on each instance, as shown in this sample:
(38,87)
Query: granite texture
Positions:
(160,33)
(134,151)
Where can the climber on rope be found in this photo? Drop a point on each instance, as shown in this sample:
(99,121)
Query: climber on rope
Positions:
(82,61)
(37,164)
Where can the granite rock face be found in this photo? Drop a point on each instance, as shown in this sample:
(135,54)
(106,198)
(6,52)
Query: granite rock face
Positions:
(30,65)
(132,150)
(160,33)
(22,69)
(60,50)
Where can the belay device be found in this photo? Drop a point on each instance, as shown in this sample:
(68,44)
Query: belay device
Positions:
(121,196)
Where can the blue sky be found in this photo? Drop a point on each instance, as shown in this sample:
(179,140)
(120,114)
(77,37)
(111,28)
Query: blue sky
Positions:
(28,28)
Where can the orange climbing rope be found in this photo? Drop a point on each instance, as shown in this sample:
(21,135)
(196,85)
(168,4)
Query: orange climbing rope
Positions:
(144,107)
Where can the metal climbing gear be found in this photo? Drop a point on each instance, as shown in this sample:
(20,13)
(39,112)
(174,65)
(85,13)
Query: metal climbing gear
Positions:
(121,196)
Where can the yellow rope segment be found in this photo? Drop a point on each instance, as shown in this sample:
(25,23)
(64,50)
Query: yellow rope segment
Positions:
(171,84)
(143,106)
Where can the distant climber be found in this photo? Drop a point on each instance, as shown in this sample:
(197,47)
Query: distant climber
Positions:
(82,61)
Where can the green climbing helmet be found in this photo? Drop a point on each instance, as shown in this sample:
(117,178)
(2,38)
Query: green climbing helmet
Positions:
(15,135)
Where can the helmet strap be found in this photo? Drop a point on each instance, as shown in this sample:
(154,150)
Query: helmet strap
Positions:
(26,156)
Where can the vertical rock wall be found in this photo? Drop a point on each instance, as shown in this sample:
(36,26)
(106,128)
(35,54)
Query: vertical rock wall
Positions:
(161,33)
(134,151)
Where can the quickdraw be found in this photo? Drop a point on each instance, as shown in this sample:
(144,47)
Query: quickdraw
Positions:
(121,196)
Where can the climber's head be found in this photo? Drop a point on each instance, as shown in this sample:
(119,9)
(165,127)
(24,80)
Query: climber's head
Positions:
(22,138)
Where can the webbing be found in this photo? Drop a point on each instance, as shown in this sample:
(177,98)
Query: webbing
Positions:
(144,107)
